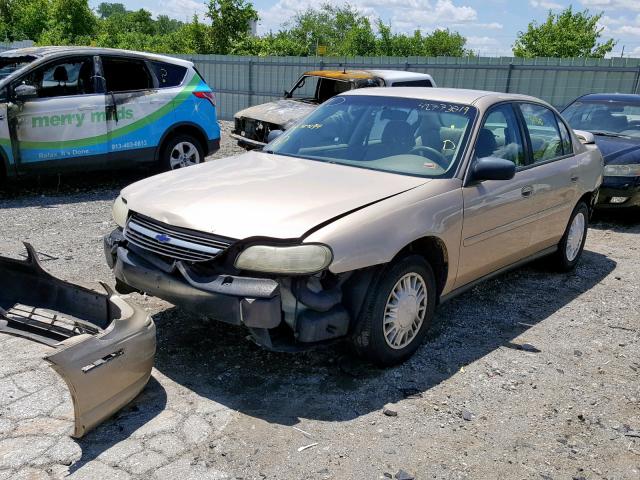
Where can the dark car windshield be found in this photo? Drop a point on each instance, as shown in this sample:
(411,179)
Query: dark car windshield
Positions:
(8,65)
(400,135)
(605,117)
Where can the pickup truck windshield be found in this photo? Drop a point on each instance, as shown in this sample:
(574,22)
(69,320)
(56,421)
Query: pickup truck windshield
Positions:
(8,65)
(399,135)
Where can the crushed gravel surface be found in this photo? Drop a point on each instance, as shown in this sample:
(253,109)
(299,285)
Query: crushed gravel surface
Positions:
(533,375)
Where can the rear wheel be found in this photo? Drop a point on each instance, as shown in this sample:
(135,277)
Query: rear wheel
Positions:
(572,244)
(397,312)
(181,151)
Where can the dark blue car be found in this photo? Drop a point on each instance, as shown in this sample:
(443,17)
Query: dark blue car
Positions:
(614,120)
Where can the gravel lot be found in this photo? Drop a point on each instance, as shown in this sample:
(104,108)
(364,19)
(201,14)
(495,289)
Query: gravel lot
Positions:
(472,403)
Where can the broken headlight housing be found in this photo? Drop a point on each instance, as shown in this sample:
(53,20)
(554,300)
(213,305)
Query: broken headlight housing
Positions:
(292,259)
(120,211)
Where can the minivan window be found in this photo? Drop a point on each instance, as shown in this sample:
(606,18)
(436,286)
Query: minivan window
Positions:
(381,133)
(168,75)
(66,77)
(125,74)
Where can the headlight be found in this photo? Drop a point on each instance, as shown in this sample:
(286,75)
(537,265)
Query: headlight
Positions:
(298,259)
(120,211)
(631,170)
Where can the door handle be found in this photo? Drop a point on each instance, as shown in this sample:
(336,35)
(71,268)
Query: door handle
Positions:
(527,191)
(575,178)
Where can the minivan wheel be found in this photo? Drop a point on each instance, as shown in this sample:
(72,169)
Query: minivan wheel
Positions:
(397,312)
(181,151)
(572,244)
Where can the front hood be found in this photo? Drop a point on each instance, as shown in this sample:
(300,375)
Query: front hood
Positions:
(618,150)
(282,112)
(258,194)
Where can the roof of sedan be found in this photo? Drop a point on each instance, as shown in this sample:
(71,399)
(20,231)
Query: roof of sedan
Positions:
(452,95)
(42,52)
(615,97)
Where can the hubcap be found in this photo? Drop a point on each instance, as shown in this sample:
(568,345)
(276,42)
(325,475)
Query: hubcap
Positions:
(574,239)
(184,154)
(405,310)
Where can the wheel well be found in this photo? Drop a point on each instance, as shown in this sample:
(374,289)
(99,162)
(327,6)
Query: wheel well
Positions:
(588,198)
(187,129)
(435,252)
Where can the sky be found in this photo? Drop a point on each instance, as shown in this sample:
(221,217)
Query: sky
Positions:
(490,26)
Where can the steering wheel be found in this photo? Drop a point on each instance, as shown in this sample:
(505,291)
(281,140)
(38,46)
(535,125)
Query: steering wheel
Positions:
(440,160)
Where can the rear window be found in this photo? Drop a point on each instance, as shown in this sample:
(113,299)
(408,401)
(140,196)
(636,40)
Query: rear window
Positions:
(168,75)
(125,75)
(413,83)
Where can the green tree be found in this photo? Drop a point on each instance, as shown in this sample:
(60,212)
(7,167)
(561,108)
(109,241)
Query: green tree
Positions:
(230,23)
(565,34)
(444,43)
(69,22)
(105,10)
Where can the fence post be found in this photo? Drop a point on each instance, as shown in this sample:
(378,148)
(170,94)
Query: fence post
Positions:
(250,82)
(636,84)
(321,64)
(508,87)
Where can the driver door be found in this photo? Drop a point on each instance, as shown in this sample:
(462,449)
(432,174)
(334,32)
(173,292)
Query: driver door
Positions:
(63,126)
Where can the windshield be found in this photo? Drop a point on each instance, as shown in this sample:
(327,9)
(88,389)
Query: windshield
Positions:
(8,65)
(398,135)
(318,89)
(605,117)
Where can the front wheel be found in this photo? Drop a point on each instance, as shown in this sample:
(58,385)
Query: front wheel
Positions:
(397,312)
(572,244)
(181,151)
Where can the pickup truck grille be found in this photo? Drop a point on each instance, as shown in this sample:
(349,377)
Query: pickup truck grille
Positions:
(172,242)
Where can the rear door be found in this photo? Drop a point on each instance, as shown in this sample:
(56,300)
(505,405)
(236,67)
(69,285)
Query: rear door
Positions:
(498,214)
(136,111)
(63,126)
(554,169)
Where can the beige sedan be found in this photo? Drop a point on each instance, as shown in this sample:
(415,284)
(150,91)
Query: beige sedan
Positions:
(356,223)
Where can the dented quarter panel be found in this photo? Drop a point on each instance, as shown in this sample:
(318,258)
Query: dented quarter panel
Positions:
(375,234)
(103,347)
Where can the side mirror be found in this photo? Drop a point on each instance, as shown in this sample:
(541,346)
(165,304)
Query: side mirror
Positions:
(273,134)
(492,168)
(586,138)
(25,92)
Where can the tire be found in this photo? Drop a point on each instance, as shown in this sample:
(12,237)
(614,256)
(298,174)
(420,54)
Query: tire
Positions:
(182,144)
(572,244)
(369,338)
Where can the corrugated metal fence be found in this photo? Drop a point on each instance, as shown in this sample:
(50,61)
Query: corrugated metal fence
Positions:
(245,81)
(21,44)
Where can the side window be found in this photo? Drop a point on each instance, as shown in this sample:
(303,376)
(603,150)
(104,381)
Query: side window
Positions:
(567,147)
(62,78)
(168,75)
(413,83)
(500,136)
(125,75)
(543,132)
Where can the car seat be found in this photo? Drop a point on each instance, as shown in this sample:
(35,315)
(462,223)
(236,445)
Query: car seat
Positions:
(486,144)
(428,132)
(397,138)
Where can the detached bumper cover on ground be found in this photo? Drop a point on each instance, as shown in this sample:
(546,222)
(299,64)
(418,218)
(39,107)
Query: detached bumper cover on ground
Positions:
(103,347)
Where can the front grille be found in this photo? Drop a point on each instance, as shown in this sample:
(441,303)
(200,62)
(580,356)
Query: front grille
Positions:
(172,242)
(253,129)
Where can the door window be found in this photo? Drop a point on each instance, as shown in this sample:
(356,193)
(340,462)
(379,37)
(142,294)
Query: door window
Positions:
(168,75)
(500,136)
(62,78)
(567,147)
(542,126)
(125,74)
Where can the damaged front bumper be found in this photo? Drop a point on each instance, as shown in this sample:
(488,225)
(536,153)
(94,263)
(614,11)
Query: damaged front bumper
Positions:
(266,306)
(103,347)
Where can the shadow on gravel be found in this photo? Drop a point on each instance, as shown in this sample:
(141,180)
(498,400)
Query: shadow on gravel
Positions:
(150,403)
(216,361)
(64,187)
(622,220)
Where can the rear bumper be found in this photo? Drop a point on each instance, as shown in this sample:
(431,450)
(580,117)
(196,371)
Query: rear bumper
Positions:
(627,188)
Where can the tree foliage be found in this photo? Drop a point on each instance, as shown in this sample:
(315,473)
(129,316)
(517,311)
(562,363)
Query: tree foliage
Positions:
(565,34)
